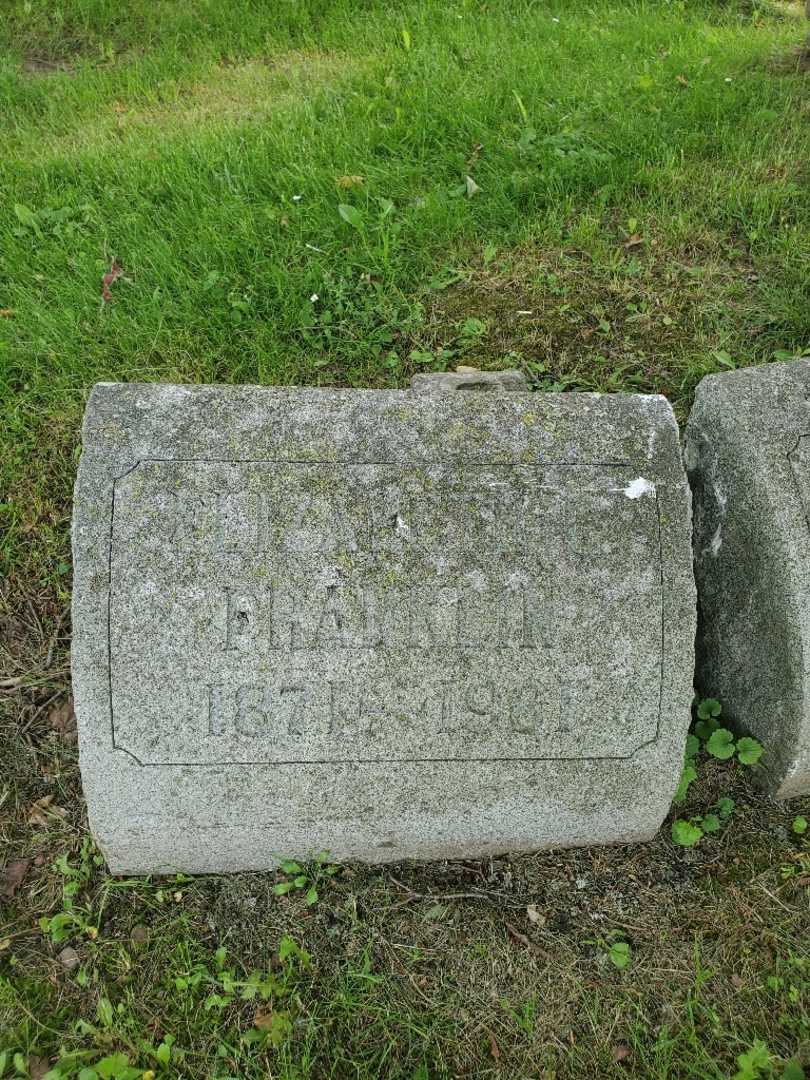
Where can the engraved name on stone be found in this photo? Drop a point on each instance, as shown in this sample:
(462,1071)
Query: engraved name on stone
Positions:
(327,612)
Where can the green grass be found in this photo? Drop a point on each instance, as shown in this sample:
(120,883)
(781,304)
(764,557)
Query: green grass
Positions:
(492,969)
(642,218)
(201,146)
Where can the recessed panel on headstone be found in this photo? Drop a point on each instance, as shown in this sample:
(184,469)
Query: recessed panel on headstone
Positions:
(748,454)
(376,622)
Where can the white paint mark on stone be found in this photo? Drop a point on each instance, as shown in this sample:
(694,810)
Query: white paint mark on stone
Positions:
(517,580)
(717,541)
(652,441)
(638,487)
(477,580)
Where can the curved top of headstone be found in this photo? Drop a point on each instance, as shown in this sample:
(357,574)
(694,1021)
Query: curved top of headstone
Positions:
(145,419)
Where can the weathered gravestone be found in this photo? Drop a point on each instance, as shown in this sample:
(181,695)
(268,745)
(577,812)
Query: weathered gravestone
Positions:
(748,455)
(381,623)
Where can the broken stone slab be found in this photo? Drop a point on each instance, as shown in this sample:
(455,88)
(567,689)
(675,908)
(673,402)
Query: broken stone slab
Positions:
(748,456)
(468,378)
(380,623)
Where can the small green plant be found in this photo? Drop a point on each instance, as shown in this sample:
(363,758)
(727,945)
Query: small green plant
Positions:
(217,987)
(306,876)
(689,832)
(686,833)
(799,825)
(85,1065)
(524,1015)
(439,359)
(708,710)
(793,1071)
(351,215)
(110,1067)
(619,954)
(347,308)
(754,1062)
(74,918)
(470,333)
(60,223)
(719,741)
(273,1025)
(551,152)
(799,868)
(758,1064)
(708,735)
(614,947)
(688,776)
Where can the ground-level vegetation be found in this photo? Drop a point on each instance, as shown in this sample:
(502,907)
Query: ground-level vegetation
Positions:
(610,196)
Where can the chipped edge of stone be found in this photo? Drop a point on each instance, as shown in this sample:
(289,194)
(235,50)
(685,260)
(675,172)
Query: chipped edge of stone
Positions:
(468,378)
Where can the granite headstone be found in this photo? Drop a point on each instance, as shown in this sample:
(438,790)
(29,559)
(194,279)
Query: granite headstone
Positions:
(748,457)
(379,623)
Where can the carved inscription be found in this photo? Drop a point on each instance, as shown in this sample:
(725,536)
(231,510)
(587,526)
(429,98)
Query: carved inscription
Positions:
(325,612)
(347,711)
(339,616)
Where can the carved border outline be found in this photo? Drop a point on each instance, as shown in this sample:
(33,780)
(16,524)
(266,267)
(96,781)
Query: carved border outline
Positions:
(385,760)
(791,460)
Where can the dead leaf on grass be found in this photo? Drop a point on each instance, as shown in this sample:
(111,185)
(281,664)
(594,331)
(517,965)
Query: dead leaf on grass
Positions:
(475,153)
(621,1052)
(682,80)
(668,1014)
(263,1019)
(636,240)
(521,939)
(349,181)
(534,915)
(436,911)
(37,1067)
(7,313)
(494,1049)
(110,278)
(43,811)
(63,720)
(69,958)
(12,876)
(38,65)
(471,187)
(36,815)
